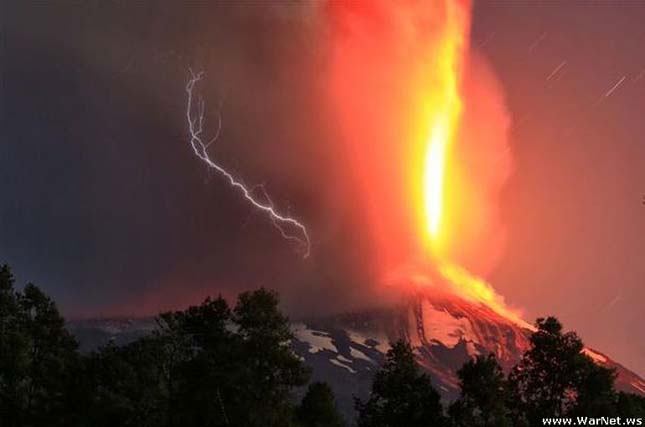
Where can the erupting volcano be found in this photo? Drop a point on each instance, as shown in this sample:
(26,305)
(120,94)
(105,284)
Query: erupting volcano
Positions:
(249,213)
(428,146)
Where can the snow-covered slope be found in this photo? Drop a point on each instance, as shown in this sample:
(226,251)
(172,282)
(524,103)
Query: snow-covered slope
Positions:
(445,332)
(346,350)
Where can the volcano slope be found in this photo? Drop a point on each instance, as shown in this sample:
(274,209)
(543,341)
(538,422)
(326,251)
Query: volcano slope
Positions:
(445,331)
(346,350)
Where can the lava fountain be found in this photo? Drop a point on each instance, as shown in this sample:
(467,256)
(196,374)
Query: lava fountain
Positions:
(443,111)
(425,127)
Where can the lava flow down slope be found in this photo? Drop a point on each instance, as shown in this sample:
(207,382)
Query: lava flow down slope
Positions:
(426,130)
(424,126)
(444,330)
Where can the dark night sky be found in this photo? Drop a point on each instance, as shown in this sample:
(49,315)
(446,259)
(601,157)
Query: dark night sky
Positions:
(105,207)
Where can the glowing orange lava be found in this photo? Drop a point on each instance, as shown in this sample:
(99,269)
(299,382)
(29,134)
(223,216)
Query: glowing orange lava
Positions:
(425,138)
(443,108)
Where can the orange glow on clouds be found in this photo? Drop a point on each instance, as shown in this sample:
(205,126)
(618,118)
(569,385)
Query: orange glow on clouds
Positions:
(443,106)
(426,142)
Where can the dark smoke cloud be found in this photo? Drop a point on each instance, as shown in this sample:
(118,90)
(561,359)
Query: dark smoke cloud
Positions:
(105,207)
(110,211)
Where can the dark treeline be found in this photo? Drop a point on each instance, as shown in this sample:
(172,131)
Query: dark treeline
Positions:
(215,365)
(553,379)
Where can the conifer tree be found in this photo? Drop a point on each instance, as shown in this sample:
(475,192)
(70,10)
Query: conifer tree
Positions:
(401,394)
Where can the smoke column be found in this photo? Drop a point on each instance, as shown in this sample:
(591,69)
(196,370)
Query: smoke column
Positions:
(425,130)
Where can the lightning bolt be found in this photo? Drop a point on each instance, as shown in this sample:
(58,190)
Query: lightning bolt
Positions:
(290,228)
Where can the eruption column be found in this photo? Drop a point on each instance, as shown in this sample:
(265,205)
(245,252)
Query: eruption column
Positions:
(424,123)
(445,109)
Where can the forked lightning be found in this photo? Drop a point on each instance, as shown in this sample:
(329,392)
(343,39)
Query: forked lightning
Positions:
(289,227)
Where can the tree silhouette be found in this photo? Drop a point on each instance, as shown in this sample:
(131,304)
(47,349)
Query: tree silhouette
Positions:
(630,405)
(14,355)
(38,358)
(269,369)
(482,399)
(401,394)
(127,385)
(210,365)
(318,408)
(555,379)
(594,390)
(206,366)
(202,363)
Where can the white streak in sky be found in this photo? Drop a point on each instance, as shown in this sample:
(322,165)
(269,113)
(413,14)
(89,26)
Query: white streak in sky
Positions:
(614,87)
(289,227)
